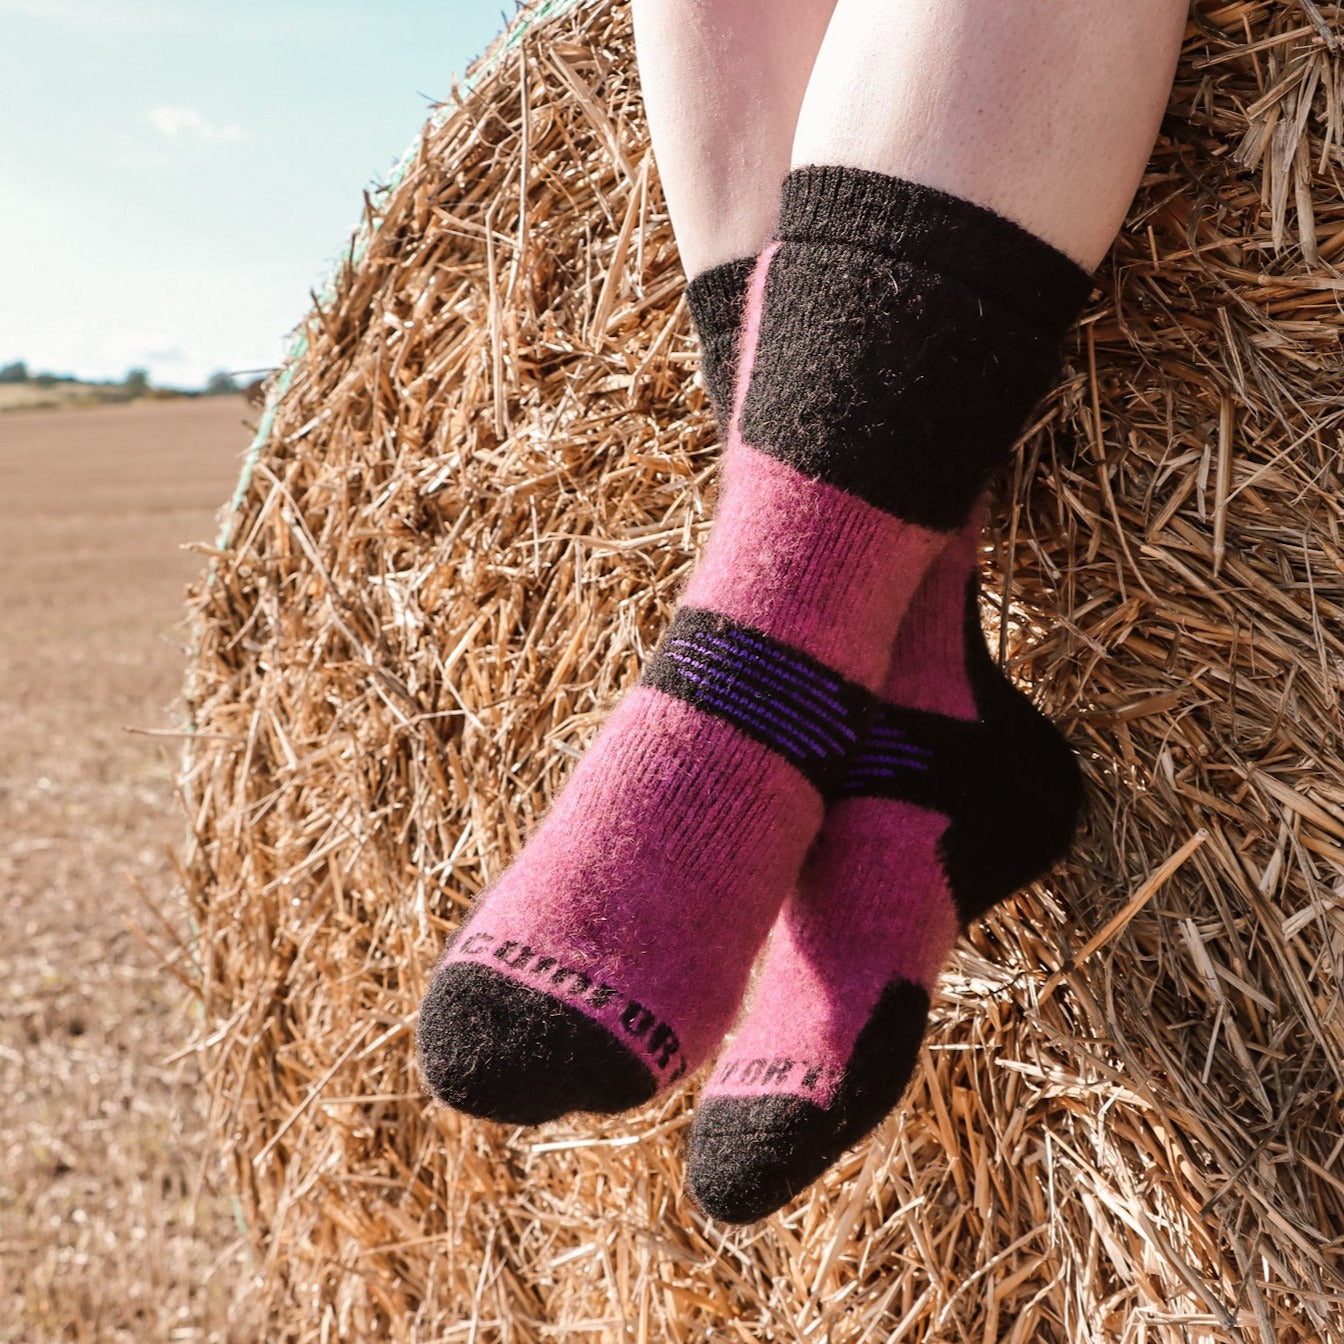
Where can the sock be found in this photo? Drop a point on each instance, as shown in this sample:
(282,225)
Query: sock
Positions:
(886,323)
(717,299)
(962,793)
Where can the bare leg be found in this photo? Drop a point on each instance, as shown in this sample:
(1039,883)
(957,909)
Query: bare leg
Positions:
(723,81)
(887,374)
(1043,110)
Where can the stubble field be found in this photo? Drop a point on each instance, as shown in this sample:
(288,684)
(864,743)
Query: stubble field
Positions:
(111,1225)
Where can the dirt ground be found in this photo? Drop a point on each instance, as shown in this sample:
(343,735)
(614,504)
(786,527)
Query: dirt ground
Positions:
(57,396)
(111,1227)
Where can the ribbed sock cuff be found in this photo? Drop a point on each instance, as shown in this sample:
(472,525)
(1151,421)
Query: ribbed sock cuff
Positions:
(984,251)
(716,298)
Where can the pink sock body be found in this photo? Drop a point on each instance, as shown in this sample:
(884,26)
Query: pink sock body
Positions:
(875,869)
(635,830)
(644,897)
(810,565)
(872,905)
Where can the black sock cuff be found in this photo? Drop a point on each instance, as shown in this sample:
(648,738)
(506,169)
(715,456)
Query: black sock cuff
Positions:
(716,298)
(984,251)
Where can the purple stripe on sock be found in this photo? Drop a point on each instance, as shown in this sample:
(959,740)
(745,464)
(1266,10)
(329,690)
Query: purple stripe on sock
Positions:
(894,744)
(772,686)
(871,772)
(881,758)
(755,711)
(741,640)
(778,739)
(714,691)
(734,675)
(793,673)
(892,749)
(774,666)
(898,734)
(749,637)
(884,754)
(859,781)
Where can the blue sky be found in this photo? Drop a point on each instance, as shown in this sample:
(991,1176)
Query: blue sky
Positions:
(176,175)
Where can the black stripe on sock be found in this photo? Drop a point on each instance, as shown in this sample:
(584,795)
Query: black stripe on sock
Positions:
(783,698)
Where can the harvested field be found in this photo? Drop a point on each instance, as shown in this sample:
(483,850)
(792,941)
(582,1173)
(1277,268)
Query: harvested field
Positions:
(482,484)
(39,396)
(111,1228)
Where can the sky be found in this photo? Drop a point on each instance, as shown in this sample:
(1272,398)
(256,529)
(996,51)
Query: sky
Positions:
(176,176)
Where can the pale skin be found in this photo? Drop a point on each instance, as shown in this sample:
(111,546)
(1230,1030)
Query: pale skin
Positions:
(723,81)
(1043,110)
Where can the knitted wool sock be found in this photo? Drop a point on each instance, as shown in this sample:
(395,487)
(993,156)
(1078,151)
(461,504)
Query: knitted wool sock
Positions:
(608,961)
(962,793)
(717,299)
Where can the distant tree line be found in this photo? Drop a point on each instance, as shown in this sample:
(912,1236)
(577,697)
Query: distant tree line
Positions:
(135,384)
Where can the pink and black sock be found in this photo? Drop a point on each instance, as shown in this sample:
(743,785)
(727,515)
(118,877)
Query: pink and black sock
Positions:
(961,793)
(894,339)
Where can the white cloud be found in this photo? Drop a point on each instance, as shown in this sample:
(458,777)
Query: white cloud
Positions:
(186,123)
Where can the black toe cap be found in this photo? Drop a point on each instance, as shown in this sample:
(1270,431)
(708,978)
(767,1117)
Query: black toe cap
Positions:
(751,1155)
(500,1050)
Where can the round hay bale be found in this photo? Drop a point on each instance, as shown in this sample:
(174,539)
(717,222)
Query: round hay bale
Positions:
(478,486)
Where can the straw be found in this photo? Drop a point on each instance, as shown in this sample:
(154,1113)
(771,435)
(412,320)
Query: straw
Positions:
(487,472)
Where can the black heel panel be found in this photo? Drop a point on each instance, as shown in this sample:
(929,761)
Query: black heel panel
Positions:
(1018,808)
